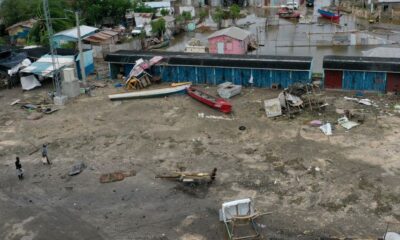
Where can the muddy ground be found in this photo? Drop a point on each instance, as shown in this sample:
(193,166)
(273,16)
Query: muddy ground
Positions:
(346,184)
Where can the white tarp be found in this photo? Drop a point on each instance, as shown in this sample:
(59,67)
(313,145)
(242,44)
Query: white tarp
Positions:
(392,236)
(29,82)
(23,64)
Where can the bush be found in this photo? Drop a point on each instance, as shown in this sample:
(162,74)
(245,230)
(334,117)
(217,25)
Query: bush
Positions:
(164,12)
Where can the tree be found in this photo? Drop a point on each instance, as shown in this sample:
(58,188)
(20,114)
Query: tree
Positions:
(94,11)
(187,15)
(158,26)
(234,11)
(14,11)
(218,16)
(203,14)
(61,20)
(164,12)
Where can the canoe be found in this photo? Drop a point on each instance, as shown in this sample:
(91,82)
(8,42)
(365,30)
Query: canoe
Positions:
(214,102)
(150,93)
(329,14)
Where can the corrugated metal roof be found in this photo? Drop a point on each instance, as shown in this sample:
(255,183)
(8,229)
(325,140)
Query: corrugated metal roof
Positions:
(158,4)
(233,32)
(362,63)
(29,24)
(204,59)
(101,36)
(44,67)
(73,32)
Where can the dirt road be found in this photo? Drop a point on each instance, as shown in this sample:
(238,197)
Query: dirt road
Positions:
(342,185)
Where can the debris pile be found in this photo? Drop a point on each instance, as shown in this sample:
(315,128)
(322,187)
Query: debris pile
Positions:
(227,90)
(191,178)
(138,77)
(295,98)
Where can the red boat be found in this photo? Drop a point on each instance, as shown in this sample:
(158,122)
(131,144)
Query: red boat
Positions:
(288,13)
(214,102)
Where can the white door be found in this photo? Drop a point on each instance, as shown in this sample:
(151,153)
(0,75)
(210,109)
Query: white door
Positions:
(220,47)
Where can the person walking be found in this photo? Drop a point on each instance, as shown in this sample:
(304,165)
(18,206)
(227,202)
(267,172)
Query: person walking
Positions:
(20,171)
(45,157)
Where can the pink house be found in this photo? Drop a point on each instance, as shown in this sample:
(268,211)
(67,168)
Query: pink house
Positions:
(231,40)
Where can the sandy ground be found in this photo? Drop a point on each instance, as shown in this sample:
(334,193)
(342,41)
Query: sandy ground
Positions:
(346,184)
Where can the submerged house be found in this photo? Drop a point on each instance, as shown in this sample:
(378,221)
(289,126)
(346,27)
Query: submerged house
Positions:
(213,69)
(231,40)
(362,73)
(71,35)
(19,32)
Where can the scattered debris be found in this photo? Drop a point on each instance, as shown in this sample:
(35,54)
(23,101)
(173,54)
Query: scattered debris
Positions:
(192,178)
(34,116)
(116,176)
(202,115)
(9,122)
(180,84)
(239,219)
(99,85)
(316,123)
(77,168)
(346,123)
(242,128)
(227,90)
(15,102)
(364,101)
(273,107)
(326,129)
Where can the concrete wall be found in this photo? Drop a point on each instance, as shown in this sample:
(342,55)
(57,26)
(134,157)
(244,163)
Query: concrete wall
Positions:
(231,45)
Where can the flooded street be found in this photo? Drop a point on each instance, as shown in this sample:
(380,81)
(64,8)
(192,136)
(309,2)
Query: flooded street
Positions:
(294,37)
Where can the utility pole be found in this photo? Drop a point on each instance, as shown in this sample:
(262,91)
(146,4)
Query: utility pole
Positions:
(53,51)
(81,58)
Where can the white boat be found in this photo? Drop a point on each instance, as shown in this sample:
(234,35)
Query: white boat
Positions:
(150,93)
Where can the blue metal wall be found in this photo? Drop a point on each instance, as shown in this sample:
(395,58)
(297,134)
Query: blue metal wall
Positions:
(369,81)
(263,78)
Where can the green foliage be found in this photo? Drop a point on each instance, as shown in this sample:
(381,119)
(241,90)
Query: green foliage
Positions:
(187,15)
(142,8)
(61,20)
(14,11)
(164,12)
(179,19)
(203,14)
(218,15)
(94,11)
(234,11)
(69,45)
(158,26)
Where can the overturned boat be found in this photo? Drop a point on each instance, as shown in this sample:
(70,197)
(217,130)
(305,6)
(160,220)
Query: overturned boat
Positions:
(150,93)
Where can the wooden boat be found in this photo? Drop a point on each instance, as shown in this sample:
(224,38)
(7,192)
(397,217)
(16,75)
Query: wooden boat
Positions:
(288,13)
(160,45)
(150,93)
(329,14)
(214,102)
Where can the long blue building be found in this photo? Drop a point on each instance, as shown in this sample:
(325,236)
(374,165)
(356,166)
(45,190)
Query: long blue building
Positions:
(265,71)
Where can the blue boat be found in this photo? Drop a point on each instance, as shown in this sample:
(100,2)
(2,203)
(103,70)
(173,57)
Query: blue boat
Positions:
(329,14)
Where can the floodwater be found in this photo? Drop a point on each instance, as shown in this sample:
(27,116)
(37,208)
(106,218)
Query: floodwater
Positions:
(289,37)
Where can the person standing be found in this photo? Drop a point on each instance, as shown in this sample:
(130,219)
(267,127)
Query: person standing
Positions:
(45,157)
(20,171)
